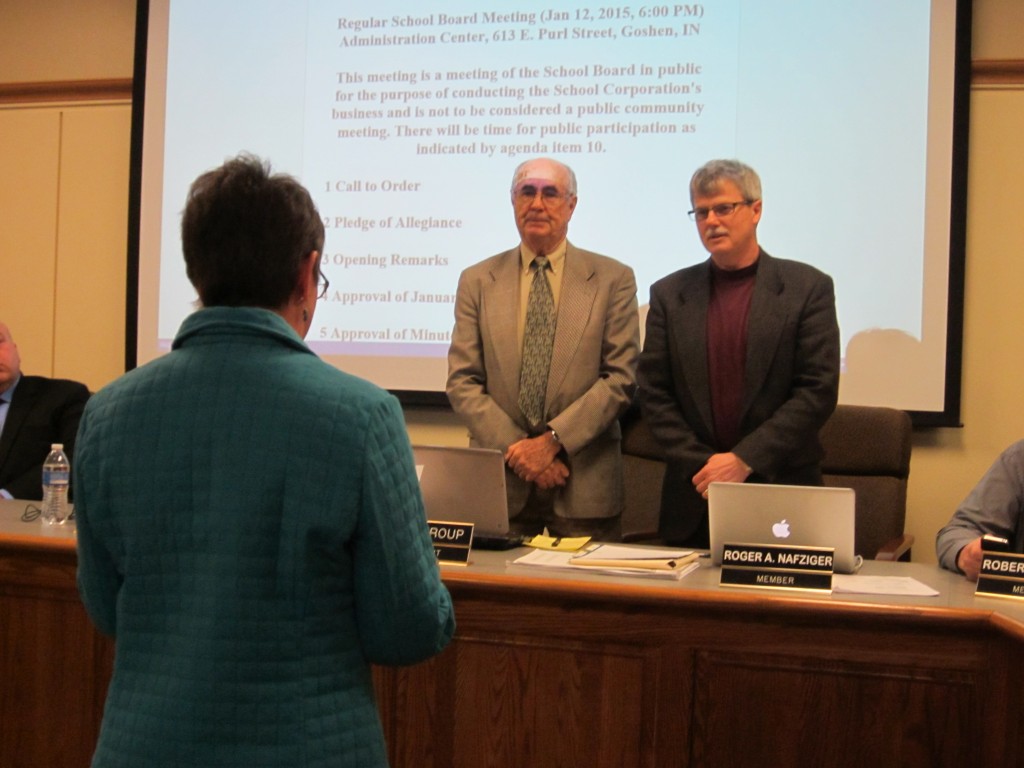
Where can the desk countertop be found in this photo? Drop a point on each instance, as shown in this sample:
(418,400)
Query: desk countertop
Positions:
(18,531)
(956,599)
(488,568)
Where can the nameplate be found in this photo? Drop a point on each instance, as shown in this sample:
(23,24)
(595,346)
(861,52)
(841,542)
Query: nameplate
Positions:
(763,566)
(1001,575)
(452,541)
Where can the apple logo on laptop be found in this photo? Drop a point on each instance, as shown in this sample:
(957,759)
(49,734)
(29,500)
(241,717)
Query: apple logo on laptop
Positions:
(780,530)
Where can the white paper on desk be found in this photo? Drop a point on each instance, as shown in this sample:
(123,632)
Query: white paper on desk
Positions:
(544,558)
(626,552)
(881,585)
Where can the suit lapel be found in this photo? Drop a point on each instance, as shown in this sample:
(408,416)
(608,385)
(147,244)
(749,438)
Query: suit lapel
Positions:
(764,326)
(17,411)
(691,335)
(579,287)
(501,315)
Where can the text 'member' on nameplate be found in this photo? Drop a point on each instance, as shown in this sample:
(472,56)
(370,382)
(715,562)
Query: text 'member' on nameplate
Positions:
(452,541)
(1001,575)
(768,566)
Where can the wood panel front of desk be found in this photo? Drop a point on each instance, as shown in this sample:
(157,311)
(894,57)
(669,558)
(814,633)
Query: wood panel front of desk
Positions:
(570,674)
(548,673)
(54,666)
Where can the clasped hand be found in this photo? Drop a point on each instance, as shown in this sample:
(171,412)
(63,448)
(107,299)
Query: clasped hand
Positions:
(535,460)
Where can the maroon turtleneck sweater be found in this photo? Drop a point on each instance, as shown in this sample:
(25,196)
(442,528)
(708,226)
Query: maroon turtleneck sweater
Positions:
(728,310)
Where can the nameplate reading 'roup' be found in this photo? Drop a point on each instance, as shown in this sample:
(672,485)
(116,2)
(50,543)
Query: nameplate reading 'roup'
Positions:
(452,541)
(1001,575)
(777,567)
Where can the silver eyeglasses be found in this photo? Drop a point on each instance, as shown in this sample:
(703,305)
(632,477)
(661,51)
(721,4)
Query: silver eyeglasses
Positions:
(721,210)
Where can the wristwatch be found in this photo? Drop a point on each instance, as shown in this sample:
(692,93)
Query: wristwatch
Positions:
(554,436)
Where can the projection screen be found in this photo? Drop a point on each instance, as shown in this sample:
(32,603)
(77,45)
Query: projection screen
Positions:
(406,119)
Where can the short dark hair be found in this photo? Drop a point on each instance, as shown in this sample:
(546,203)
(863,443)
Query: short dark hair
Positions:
(245,233)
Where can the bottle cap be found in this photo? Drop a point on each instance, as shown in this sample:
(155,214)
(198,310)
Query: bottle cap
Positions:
(57,446)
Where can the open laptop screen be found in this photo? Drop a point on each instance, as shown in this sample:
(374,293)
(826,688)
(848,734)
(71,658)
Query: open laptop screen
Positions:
(790,515)
(464,485)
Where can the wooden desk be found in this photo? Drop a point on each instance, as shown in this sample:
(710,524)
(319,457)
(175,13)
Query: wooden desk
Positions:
(552,669)
(581,670)
(54,666)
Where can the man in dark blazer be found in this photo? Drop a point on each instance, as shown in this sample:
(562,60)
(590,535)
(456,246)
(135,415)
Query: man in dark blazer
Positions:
(35,412)
(740,367)
(564,467)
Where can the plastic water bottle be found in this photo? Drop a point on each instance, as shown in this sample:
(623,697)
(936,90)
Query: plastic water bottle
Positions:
(56,478)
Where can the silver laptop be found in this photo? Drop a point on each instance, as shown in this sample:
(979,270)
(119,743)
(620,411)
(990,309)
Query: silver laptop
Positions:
(466,485)
(793,515)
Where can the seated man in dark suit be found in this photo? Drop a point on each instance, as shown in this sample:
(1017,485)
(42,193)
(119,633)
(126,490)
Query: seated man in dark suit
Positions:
(34,413)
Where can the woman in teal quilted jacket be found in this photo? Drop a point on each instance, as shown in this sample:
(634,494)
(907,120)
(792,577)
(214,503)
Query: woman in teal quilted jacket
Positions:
(250,527)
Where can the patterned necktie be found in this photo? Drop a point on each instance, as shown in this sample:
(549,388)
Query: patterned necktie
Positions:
(538,341)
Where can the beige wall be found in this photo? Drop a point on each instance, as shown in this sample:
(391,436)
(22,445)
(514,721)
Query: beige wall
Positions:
(998,27)
(44,40)
(63,219)
(63,230)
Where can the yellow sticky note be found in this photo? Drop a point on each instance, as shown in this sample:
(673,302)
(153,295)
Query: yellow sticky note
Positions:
(557,543)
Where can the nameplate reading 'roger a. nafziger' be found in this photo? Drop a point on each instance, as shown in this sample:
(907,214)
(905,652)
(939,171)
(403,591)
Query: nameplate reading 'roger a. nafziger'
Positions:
(1001,575)
(766,566)
(452,541)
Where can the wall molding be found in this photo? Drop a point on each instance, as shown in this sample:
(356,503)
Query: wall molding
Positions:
(984,72)
(997,72)
(66,91)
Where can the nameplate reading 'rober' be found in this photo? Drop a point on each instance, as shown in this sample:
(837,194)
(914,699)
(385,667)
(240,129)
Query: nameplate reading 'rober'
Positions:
(776,567)
(452,541)
(1001,575)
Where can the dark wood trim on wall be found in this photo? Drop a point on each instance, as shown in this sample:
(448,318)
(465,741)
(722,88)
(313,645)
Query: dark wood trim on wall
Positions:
(983,72)
(65,91)
(997,72)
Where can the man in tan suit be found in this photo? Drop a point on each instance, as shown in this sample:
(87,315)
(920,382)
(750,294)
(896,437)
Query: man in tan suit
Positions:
(564,464)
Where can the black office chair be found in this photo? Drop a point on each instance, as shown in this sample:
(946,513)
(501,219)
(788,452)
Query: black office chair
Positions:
(867,448)
(643,470)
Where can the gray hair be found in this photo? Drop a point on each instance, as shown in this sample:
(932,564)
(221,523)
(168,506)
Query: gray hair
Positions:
(705,180)
(571,173)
